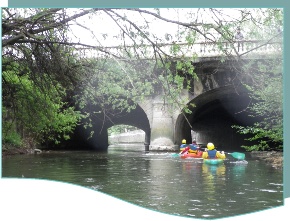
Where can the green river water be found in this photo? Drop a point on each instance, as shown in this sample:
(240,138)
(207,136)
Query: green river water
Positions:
(159,181)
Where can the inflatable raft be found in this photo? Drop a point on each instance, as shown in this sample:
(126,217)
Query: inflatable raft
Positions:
(214,161)
(193,155)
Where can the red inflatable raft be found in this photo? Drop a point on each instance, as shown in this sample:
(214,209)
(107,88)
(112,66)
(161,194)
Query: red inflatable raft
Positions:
(194,155)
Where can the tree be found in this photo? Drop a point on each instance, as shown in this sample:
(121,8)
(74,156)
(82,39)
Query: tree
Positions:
(40,111)
(267,106)
(38,74)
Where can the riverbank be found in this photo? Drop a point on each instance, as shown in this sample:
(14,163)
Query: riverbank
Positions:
(273,158)
(15,151)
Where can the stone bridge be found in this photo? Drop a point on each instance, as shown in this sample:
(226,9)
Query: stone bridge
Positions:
(219,101)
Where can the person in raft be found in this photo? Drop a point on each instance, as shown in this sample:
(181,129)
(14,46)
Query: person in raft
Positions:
(194,148)
(211,153)
(189,148)
(184,147)
(194,145)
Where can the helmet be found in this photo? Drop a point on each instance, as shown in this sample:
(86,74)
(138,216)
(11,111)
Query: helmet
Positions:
(184,141)
(210,146)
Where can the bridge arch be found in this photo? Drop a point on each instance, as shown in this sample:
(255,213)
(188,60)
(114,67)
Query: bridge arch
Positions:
(99,140)
(214,113)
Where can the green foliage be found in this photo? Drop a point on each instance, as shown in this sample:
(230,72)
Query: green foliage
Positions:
(175,48)
(12,138)
(266,106)
(9,134)
(116,85)
(40,110)
(264,139)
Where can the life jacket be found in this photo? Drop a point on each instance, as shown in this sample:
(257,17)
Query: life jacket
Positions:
(183,145)
(193,146)
(211,154)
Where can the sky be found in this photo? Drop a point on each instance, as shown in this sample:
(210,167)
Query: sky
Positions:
(103,24)
(101,30)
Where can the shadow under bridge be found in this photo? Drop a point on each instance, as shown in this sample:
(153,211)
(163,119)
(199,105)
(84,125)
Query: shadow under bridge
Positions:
(102,121)
(212,118)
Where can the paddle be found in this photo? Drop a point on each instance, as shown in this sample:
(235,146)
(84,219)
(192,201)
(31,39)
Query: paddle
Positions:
(237,155)
(182,152)
(179,154)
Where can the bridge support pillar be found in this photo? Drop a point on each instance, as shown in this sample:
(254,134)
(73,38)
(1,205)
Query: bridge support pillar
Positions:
(162,128)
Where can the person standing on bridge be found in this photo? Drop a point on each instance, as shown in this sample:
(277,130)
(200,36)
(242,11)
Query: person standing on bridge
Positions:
(239,37)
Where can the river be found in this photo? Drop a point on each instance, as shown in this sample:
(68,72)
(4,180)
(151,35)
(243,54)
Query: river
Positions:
(160,181)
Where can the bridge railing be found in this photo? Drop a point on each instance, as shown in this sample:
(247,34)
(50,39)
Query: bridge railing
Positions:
(215,49)
(198,49)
